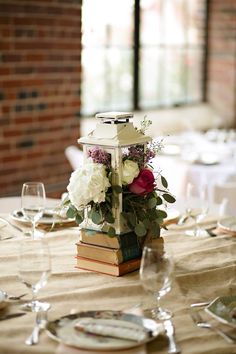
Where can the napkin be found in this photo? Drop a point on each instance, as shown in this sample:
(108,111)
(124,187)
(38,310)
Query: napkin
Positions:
(112,327)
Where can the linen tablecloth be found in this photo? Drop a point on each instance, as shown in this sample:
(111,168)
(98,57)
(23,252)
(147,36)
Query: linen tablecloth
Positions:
(205,269)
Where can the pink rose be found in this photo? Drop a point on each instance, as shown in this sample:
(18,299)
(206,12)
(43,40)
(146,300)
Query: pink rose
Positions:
(144,183)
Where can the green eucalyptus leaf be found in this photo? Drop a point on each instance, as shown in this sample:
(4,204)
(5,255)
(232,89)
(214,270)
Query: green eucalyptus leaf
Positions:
(168,197)
(111,232)
(161,214)
(109,218)
(164,182)
(159,200)
(79,218)
(96,217)
(70,213)
(155,229)
(152,203)
(146,223)
(140,229)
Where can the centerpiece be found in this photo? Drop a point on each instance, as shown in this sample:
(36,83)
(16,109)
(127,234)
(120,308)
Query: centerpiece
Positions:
(116,191)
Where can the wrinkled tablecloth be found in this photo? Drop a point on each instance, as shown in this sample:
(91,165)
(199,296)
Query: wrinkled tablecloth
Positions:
(204,269)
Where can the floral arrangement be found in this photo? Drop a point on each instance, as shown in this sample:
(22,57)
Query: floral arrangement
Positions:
(90,189)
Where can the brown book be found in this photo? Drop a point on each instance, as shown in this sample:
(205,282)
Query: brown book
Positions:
(107,268)
(108,255)
(99,238)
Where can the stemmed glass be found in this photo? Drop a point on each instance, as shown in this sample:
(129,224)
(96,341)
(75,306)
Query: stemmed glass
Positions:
(197,206)
(155,274)
(34,269)
(33,202)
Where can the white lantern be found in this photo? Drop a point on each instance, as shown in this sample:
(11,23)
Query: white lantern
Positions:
(114,133)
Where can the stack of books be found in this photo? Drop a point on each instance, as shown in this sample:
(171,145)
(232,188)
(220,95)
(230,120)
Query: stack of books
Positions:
(98,252)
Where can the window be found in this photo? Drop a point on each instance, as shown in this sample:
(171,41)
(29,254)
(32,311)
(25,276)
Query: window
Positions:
(141,54)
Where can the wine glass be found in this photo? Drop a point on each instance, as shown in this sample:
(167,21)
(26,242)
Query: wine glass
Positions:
(34,269)
(33,202)
(155,274)
(197,206)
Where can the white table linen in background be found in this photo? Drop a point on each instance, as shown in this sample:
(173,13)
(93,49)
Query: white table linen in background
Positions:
(180,169)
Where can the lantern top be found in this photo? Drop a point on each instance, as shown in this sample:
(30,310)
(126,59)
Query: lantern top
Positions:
(114,117)
(114,129)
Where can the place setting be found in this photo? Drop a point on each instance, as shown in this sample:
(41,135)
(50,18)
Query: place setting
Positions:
(34,218)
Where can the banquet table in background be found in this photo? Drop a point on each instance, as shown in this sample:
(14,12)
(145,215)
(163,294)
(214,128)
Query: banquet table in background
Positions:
(192,157)
(206,261)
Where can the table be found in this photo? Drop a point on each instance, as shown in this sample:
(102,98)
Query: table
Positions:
(209,262)
(190,157)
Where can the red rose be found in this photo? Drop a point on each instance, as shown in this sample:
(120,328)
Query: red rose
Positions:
(144,183)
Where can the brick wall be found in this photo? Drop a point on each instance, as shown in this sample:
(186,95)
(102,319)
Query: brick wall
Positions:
(40,44)
(222,59)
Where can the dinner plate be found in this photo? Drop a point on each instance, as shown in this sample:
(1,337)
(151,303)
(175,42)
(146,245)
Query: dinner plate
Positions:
(63,330)
(228,225)
(48,218)
(223,309)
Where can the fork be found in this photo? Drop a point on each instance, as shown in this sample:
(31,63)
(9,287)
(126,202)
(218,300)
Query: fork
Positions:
(198,320)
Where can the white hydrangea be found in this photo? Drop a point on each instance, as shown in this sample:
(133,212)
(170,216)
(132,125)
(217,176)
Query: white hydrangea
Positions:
(88,183)
(130,171)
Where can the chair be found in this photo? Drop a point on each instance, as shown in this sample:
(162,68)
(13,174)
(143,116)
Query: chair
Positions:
(74,156)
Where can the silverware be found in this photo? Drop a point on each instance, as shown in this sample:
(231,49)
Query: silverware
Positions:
(200,304)
(12,297)
(198,320)
(12,315)
(40,323)
(5,238)
(170,331)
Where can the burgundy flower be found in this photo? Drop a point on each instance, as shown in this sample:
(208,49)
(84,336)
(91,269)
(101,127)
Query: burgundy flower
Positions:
(144,183)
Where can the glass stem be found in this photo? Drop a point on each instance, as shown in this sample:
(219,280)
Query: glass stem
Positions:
(34,295)
(158,304)
(33,229)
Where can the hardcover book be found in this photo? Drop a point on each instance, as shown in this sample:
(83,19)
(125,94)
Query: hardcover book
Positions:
(108,255)
(102,239)
(107,268)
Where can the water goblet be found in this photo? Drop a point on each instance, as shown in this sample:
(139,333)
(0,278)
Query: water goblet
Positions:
(197,207)
(155,274)
(34,269)
(33,202)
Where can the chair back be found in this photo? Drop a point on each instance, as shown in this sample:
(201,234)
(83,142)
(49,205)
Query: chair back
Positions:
(74,156)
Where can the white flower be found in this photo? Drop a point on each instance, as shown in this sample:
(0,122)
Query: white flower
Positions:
(130,171)
(88,183)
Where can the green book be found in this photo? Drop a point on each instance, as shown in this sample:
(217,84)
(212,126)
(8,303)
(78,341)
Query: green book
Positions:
(97,238)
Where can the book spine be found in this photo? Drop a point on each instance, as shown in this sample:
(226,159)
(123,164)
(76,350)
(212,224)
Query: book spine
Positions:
(127,240)
(130,252)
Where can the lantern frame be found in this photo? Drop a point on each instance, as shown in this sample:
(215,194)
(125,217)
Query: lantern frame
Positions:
(113,133)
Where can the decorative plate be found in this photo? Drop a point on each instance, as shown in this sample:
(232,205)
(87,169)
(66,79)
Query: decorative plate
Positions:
(228,225)
(48,218)
(67,330)
(223,309)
